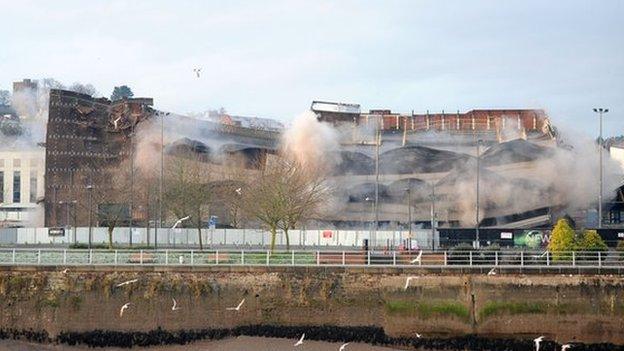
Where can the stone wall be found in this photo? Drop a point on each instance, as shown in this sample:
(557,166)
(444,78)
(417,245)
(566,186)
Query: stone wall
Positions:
(563,308)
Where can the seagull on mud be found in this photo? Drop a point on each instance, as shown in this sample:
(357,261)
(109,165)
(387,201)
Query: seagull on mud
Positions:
(492,271)
(565,347)
(175,305)
(64,271)
(537,342)
(343,346)
(197,71)
(417,259)
(123,308)
(407,282)
(237,308)
(418,336)
(127,282)
(300,342)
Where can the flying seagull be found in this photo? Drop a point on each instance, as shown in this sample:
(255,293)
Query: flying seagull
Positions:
(239,191)
(127,282)
(237,308)
(300,342)
(175,305)
(417,259)
(123,308)
(197,71)
(407,282)
(492,271)
(179,221)
(537,342)
(565,347)
(343,346)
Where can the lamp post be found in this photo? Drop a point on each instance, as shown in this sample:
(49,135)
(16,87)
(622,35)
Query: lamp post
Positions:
(131,210)
(433,216)
(600,111)
(477,204)
(90,190)
(409,214)
(377,146)
(372,202)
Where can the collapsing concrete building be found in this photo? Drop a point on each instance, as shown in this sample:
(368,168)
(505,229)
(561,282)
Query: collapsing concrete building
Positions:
(423,169)
(394,169)
(86,140)
(92,143)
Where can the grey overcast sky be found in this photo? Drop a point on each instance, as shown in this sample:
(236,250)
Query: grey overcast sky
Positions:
(272,58)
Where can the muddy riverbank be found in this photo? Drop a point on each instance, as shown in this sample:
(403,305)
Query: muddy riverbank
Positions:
(587,309)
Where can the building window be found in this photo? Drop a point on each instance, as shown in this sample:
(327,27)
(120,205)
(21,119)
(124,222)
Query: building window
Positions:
(16,187)
(1,187)
(16,163)
(33,188)
(1,162)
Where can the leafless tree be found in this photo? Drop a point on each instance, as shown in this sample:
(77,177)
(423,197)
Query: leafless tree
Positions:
(284,195)
(87,89)
(109,198)
(188,190)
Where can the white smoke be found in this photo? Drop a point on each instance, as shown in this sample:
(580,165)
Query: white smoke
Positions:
(31,105)
(311,143)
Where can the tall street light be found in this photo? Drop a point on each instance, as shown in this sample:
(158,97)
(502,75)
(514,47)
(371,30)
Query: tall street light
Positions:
(433,216)
(90,190)
(477,204)
(372,202)
(600,111)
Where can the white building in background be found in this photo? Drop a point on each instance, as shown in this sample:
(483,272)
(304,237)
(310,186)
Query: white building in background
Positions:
(21,186)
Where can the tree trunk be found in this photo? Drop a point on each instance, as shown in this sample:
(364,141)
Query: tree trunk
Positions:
(273,235)
(201,244)
(110,237)
(287,240)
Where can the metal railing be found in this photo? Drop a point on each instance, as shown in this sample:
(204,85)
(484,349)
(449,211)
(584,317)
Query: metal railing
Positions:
(424,259)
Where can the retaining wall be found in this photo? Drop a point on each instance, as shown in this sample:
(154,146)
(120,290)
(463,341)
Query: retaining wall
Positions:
(561,307)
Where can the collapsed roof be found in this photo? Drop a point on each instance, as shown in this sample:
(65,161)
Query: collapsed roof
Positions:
(518,150)
(419,159)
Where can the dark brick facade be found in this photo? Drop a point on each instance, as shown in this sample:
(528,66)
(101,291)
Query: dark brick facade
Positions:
(86,138)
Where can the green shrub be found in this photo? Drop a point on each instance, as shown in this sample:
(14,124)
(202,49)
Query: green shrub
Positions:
(562,241)
(591,241)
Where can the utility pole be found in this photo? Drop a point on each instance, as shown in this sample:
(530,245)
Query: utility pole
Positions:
(131,184)
(600,111)
(409,209)
(90,190)
(160,185)
(377,146)
(433,215)
(477,208)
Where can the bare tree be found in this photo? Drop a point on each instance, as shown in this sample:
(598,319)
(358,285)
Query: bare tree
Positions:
(87,89)
(109,198)
(285,195)
(188,190)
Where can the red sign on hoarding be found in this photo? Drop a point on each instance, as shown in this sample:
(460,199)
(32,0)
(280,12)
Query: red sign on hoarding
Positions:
(327,233)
